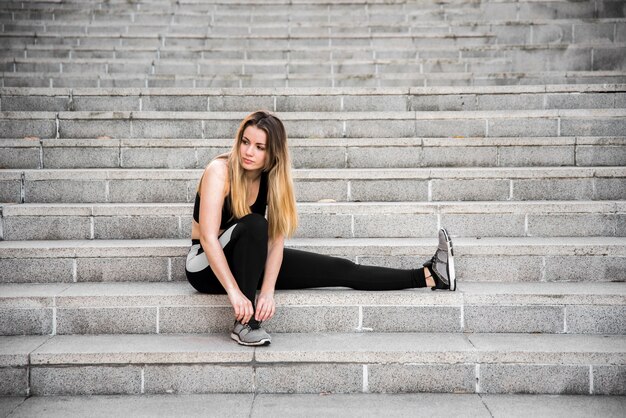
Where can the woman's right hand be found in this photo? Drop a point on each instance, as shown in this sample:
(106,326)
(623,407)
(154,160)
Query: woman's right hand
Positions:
(242,306)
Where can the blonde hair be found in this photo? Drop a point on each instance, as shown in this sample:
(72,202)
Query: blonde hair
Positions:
(281,202)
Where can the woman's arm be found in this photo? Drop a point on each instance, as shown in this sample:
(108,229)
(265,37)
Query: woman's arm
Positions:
(212,193)
(266,307)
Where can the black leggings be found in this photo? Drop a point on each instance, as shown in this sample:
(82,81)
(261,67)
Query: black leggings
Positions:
(245,248)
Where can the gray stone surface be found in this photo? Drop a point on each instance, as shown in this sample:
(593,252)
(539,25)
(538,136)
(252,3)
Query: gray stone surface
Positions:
(104,103)
(195,319)
(136,227)
(389,190)
(553,189)
(205,378)
(609,380)
(457,156)
(590,319)
(448,378)
(296,103)
(529,319)
(55,191)
(610,188)
(116,320)
(313,191)
(380,128)
(35,270)
(589,155)
(10,191)
(385,157)
(324,225)
(561,406)
(396,225)
(310,378)
(572,225)
(9,403)
(368,405)
(318,157)
(86,128)
(20,128)
(450,128)
(47,227)
(314,319)
(25,321)
(223,405)
(152,191)
(593,127)
(107,269)
(20,157)
(536,156)
(85,380)
(589,268)
(500,268)
(167,129)
(412,318)
(159,157)
(13,381)
(86,157)
(479,189)
(523,127)
(174,103)
(548,379)
(491,225)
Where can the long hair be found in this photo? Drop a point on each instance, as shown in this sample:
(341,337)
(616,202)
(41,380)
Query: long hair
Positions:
(281,203)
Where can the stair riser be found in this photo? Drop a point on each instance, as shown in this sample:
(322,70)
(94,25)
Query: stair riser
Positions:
(424,80)
(465,377)
(142,126)
(329,103)
(476,268)
(35,156)
(135,319)
(402,190)
(68,227)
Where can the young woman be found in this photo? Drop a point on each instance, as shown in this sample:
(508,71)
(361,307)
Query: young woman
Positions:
(236,251)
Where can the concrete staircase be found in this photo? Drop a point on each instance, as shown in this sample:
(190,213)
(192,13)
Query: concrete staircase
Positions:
(502,120)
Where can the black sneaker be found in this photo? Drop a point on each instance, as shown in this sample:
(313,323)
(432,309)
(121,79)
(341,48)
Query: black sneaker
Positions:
(441,265)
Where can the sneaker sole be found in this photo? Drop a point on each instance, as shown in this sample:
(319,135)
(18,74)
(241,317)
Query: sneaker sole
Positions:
(451,275)
(265,341)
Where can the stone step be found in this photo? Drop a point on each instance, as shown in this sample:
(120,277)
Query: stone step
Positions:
(521,259)
(329,405)
(352,185)
(529,32)
(524,97)
(326,220)
(176,153)
(54,80)
(325,11)
(149,124)
(567,57)
(165,308)
(313,363)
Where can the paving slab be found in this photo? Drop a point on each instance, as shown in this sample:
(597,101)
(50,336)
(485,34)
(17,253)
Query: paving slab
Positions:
(9,404)
(315,405)
(222,405)
(561,406)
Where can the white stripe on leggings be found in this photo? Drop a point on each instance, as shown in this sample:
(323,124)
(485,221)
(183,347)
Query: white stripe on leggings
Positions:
(198,262)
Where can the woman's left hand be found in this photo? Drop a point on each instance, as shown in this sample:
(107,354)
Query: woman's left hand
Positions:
(265,307)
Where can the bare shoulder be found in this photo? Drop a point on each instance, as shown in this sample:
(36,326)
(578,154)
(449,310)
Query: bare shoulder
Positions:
(215,175)
(217,167)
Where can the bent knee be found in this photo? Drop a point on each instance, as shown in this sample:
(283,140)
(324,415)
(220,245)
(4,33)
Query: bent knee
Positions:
(254,223)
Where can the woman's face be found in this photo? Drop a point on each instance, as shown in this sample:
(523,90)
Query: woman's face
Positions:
(253,148)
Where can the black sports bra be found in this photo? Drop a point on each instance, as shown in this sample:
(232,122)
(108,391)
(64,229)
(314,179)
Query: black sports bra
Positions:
(228,218)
